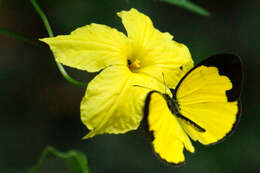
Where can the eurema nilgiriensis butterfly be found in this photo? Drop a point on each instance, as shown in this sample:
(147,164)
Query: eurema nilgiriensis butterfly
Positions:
(205,106)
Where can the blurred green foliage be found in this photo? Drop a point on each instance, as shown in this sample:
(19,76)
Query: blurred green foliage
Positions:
(189,6)
(39,108)
(75,161)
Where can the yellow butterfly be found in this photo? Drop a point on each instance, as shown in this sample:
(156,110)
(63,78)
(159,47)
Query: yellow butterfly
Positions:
(205,106)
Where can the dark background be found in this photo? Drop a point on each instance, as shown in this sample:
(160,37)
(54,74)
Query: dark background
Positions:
(39,108)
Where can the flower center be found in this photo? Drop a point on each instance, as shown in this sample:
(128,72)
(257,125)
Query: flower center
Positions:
(133,65)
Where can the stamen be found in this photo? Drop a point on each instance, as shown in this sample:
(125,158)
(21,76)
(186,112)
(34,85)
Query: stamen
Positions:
(134,65)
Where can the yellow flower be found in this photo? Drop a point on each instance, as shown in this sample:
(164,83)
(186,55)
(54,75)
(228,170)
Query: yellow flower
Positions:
(113,103)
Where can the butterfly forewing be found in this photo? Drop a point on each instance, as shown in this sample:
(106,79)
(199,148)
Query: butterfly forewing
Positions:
(209,96)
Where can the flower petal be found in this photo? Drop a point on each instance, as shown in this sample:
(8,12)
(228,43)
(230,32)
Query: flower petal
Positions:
(173,61)
(91,47)
(156,51)
(141,31)
(113,103)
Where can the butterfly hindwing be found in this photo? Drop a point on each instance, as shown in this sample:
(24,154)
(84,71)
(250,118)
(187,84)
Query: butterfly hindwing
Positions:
(209,96)
(169,139)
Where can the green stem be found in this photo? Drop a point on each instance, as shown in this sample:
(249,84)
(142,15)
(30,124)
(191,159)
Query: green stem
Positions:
(43,17)
(11,34)
(49,30)
(8,33)
(67,77)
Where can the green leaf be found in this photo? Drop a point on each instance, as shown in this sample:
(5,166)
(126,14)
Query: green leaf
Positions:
(189,6)
(75,161)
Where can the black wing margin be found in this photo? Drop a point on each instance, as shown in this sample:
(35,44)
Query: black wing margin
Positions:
(229,65)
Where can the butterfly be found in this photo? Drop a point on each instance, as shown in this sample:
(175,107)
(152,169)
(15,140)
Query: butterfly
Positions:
(205,106)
